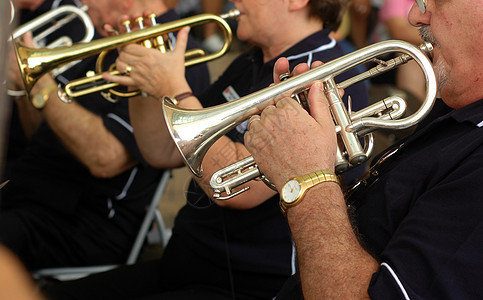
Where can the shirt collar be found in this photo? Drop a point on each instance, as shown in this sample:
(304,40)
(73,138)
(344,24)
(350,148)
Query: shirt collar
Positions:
(471,113)
(312,43)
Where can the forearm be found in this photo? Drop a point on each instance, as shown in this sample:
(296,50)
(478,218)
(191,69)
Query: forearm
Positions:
(29,117)
(85,136)
(151,133)
(332,263)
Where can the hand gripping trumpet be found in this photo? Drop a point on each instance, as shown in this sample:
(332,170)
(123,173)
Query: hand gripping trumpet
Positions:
(194,131)
(94,82)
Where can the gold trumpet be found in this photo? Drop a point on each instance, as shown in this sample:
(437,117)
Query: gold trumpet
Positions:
(194,131)
(34,63)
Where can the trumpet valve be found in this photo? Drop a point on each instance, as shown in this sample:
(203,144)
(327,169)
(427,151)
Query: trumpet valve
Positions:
(146,43)
(127,25)
(152,17)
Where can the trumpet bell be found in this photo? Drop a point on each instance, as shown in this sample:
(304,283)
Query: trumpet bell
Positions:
(193,144)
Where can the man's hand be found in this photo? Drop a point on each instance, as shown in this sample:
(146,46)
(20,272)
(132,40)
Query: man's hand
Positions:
(158,74)
(286,141)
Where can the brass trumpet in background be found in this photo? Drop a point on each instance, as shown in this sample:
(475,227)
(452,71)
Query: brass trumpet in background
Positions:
(57,18)
(194,131)
(36,62)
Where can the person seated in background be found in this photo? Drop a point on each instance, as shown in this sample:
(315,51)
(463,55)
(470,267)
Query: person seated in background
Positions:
(408,79)
(78,192)
(414,227)
(394,16)
(220,249)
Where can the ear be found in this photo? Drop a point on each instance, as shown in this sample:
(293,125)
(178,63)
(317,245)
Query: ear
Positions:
(295,5)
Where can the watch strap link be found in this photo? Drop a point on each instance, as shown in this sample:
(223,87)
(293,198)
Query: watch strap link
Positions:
(306,182)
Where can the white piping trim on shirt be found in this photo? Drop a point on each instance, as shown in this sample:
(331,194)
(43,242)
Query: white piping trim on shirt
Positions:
(121,121)
(480,124)
(55,4)
(293,260)
(310,53)
(129,182)
(401,287)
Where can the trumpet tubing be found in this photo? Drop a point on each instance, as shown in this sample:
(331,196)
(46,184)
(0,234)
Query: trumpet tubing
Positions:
(194,131)
(70,13)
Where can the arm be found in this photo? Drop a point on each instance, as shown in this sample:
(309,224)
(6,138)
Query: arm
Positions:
(29,117)
(332,262)
(359,12)
(83,133)
(163,74)
(80,131)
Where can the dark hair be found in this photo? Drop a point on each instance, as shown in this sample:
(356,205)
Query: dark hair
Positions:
(330,11)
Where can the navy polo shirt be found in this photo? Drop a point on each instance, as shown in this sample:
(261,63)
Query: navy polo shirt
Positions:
(423,217)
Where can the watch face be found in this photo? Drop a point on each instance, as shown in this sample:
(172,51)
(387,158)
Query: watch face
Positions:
(290,191)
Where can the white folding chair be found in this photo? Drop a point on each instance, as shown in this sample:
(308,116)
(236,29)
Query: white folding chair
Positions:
(153,216)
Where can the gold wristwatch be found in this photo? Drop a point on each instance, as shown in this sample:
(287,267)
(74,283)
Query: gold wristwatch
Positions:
(295,188)
(40,99)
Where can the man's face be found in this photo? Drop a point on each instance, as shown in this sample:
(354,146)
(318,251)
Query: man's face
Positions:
(104,12)
(457,28)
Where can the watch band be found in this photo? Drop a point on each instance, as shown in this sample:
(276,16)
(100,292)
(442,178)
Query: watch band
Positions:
(306,182)
(177,99)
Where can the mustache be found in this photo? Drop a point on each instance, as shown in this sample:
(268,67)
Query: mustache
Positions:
(427,35)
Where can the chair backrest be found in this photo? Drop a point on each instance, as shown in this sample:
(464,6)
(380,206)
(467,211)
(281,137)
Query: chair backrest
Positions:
(153,216)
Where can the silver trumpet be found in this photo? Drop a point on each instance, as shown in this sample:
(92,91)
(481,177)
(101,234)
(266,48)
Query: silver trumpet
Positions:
(57,18)
(194,131)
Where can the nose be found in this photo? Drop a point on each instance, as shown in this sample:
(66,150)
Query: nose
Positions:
(417,18)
